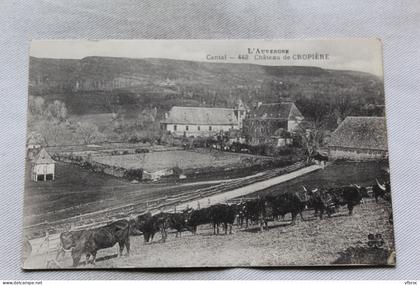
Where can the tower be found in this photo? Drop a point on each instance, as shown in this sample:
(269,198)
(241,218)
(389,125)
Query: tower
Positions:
(240,113)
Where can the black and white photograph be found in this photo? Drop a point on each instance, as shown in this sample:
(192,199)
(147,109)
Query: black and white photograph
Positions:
(206,153)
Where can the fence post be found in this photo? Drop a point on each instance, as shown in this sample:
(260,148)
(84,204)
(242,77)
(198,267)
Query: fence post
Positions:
(198,205)
(209,202)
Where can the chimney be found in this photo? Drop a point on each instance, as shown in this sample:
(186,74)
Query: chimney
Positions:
(259,104)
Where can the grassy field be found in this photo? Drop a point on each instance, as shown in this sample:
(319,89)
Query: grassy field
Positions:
(311,242)
(180,158)
(90,191)
(75,186)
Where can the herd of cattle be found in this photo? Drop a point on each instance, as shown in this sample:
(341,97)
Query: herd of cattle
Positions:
(257,211)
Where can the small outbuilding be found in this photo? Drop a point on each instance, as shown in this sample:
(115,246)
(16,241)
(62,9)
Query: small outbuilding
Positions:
(360,138)
(155,175)
(43,167)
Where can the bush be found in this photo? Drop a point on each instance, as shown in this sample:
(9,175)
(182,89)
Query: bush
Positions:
(134,174)
(134,139)
(142,150)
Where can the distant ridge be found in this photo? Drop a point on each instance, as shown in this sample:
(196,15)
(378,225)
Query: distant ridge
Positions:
(137,83)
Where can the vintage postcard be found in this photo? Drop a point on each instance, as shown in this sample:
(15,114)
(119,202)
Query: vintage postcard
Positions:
(206,153)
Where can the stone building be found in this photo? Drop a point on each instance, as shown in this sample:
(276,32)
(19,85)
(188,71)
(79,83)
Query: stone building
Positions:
(359,138)
(203,121)
(268,120)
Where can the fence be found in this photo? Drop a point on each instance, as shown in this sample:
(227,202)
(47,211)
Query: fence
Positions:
(167,203)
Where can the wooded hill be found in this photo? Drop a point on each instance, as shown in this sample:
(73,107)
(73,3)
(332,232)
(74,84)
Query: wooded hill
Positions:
(103,84)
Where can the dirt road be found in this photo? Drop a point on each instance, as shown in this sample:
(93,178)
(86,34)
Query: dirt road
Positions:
(222,197)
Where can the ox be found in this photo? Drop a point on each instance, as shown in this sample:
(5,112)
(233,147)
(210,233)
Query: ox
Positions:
(348,195)
(149,225)
(224,215)
(254,211)
(176,221)
(383,191)
(107,236)
(286,203)
(198,217)
(321,201)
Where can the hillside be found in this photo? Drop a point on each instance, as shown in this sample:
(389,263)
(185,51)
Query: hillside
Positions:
(98,84)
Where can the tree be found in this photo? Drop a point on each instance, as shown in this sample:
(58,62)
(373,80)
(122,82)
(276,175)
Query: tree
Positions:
(36,105)
(310,137)
(51,132)
(343,108)
(319,115)
(57,111)
(87,132)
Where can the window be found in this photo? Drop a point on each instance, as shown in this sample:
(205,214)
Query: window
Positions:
(198,127)
(174,127)
(40,177)
(209,128)
(49,177)
(186,128)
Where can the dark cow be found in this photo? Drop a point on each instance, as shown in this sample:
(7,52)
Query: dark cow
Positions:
(321,201)
(285,203)
(348,195)
(383,191)
(222,214)
(104,237)
(198,217)
(68,242)
(149,225)
(177,221)
(255,211)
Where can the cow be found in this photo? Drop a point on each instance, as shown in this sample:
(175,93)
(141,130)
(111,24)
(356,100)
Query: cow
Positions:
(321,201)
(348,195)
(383,191)
(255,211)
(177,221)
(222,214)
(68,242)
(198,217)
(149,225)
(107,236)
(285,203)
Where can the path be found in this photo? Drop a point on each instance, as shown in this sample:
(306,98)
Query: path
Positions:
(245,190)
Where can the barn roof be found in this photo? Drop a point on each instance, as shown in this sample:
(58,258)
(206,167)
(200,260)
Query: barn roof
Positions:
(201,116)
(43,157)
(362,133)
(283,110)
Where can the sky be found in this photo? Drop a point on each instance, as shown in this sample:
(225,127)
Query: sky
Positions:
(347,54)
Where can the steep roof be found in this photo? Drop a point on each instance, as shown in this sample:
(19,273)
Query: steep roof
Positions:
(361,132)
(283,110)
(201,116)
(43,157)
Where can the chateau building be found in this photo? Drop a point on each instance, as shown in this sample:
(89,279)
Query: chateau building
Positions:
(203,121)
(268,120)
